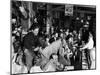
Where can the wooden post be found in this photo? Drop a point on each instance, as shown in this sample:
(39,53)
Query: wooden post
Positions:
(49,19)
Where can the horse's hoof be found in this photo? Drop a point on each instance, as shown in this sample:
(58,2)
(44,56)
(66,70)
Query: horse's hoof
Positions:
(28,72)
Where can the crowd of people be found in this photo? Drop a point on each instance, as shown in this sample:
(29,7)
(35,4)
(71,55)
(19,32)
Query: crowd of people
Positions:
(28,51)
(63,50)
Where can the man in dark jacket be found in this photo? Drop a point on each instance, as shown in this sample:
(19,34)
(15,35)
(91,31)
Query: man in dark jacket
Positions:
(31,45)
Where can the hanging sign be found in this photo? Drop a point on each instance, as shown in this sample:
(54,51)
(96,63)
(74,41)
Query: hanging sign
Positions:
(68,10)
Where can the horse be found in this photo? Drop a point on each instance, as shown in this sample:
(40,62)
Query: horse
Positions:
(46,52)
(54,47)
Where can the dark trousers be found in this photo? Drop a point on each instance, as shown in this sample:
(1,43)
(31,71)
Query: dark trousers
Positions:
(87,52)
(78,61)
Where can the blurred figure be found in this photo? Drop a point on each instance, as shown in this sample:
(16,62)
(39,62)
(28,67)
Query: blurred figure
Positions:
(54,38)
(88,47)
(53,65)
(47,41)
(61,35)
(67,32)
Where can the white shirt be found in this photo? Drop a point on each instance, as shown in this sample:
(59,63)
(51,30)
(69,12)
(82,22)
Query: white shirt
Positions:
(90,44)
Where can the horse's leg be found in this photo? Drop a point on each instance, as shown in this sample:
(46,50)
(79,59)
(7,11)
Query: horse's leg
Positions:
(28,68)
(29,59)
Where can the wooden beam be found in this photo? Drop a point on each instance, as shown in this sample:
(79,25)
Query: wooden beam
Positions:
(89,6)
(57,8)
(82,11)
(62,10)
